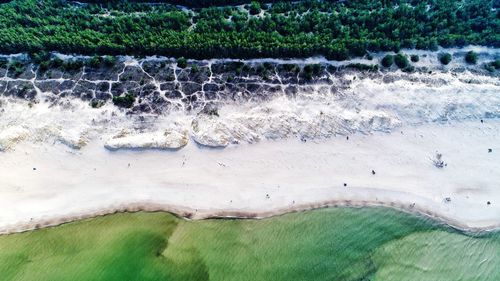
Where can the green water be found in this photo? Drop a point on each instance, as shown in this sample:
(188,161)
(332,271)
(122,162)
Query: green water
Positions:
(326,244)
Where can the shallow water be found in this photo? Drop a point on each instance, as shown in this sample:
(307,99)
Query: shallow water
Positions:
(326,244)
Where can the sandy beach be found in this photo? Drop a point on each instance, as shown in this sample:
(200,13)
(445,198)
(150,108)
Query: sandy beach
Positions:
(46,185)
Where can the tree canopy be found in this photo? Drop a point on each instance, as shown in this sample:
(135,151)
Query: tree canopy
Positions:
(335,29)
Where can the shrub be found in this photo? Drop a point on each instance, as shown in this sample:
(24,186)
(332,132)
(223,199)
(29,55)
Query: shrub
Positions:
(363,67)
(312,68)
(254,8)
(291,67)
(401,61)
(124,101)
(265,74)
(268,65)
(492,66)
(182,62)
(471,57)
(43,66)
(316,69)
(445,58)
(16,67)
(96,103)
(495,64)
(194,68)
(238,71)
(234,65)
(308,68)
(415,58)
(387,61)
(409,68)
(95,61)
(3,62)
(56,63)
(70,65)
(109,61)
(489,67)
(40,57)
(18,72)
(260,69)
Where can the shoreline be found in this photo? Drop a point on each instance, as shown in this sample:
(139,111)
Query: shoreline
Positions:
(187,214)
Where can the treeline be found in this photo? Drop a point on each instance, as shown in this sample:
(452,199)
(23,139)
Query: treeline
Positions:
(187,3)
(335,29)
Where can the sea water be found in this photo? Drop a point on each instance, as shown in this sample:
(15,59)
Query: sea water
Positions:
(325,244)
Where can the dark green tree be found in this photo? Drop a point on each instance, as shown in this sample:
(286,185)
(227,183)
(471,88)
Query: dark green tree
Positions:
(182,62)
(471,57)
(387,61)
(401,61)
(445,58)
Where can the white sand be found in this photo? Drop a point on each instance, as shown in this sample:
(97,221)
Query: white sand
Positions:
(236,180)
